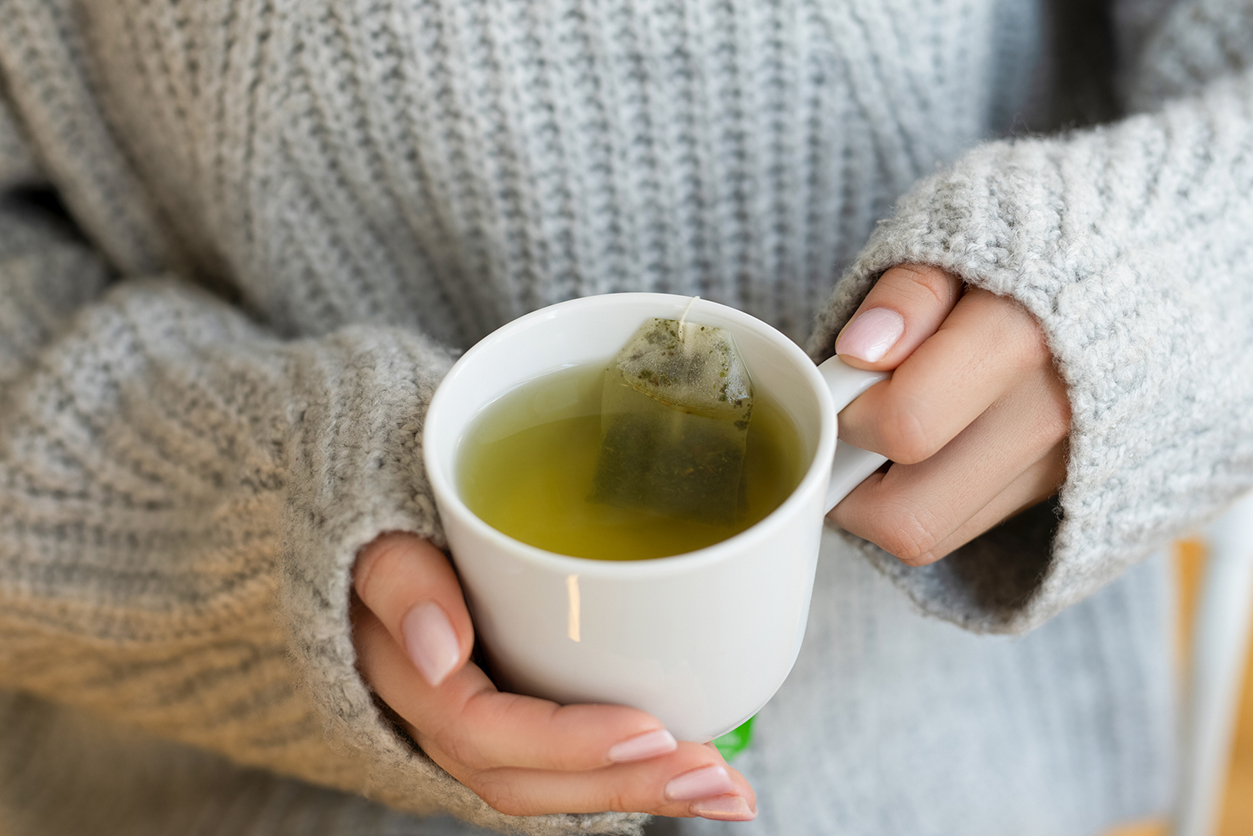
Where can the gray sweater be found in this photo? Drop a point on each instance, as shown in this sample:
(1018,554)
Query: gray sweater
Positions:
(288,217)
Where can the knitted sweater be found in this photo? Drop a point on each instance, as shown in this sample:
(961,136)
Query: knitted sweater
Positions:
(289,216)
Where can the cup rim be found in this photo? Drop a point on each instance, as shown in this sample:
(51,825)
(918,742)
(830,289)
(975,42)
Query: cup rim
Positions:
(812,482)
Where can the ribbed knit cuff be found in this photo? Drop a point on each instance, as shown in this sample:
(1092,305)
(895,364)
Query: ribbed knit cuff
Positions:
(357,472)
(1127,245)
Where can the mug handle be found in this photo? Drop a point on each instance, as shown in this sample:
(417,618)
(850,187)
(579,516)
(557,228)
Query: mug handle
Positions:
(852,464)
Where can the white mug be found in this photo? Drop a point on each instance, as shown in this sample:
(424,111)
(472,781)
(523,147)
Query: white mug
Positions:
(700,640)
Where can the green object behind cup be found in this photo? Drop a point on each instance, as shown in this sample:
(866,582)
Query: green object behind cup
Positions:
(736,740)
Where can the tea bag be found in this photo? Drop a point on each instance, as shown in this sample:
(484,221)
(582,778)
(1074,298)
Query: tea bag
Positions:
(674,423)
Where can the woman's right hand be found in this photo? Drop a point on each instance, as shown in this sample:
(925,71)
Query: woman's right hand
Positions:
(523,756)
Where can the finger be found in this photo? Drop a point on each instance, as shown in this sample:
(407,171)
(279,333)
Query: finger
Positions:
(482,728)
(914,510)
(412,588)
(691,781)
(1035,485)
(901,531)
(905,307)
(987,346)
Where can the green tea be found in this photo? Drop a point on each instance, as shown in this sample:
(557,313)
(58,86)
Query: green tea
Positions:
(527,468)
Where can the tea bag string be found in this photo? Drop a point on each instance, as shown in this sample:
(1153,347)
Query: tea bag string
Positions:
(683,319)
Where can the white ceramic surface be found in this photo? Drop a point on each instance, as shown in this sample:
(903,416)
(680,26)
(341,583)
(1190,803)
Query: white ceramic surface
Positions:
(701,640)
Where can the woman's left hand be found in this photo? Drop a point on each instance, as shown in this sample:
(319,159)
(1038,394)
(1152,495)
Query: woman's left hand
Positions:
(974,419)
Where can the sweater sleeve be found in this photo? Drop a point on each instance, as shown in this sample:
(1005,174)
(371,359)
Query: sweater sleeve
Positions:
(182,495)
(1130,244)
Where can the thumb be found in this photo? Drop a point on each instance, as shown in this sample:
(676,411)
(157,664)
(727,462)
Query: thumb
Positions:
(412,588)
(905,307)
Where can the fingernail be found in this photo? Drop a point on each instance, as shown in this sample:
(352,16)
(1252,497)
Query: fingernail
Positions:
(642,746)
(724,808)
(431,641)
(705,782)
(871,334)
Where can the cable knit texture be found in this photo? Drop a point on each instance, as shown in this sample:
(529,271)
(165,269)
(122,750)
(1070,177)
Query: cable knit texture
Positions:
(286,218)
(1127,244)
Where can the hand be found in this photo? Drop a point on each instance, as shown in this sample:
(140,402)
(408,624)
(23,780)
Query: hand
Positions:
(523,756)
(974,419)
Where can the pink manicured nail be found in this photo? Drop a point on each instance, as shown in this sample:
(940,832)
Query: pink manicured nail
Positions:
(724,808)
(642,746)
(871,334)
(705,782)
(431,641)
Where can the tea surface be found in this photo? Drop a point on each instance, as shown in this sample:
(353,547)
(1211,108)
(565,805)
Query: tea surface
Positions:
(528,463)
